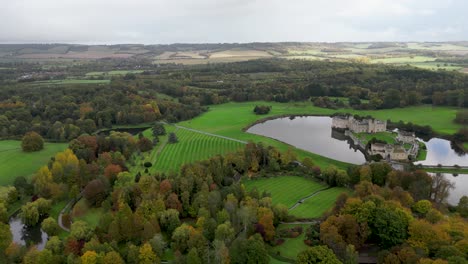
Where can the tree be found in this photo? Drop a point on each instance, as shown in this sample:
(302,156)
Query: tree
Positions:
(462,207)
(265,219)
(31,142)
(95,192)
(5,237)
(172,138)
(147,256)
(422,207)
(112,257)
(193,258)
(80,230)
(158,130)
(317,254)
(89,257)
(3,213)
(50,226)
(390,226)
(30,214)
(144,144)
(54,245)
(249,251)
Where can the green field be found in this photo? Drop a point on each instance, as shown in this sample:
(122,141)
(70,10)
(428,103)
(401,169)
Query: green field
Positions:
(291,246)
(388,137)
(14,162)
(192,146)
(404,60)
(117,72)
(318,204)
(276,187)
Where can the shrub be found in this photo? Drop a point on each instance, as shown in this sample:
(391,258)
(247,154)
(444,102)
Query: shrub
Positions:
(148,164)
(262,109)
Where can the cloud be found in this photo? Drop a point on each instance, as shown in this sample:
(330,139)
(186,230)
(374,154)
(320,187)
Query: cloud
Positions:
(169,21)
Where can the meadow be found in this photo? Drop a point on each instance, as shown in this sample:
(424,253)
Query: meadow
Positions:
(318,204)
(275,186)
(14,162)
(72,81)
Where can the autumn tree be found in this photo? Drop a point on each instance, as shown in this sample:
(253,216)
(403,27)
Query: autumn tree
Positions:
(31,142)
(5,237)
(147,256)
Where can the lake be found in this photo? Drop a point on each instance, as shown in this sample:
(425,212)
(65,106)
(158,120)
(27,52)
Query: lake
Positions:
(311,133)
(24,235)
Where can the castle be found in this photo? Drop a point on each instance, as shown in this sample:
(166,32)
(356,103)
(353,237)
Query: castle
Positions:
(359,126)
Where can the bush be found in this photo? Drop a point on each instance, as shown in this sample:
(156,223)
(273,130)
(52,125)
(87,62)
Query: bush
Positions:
(31,142)
(262,109)
(148,164)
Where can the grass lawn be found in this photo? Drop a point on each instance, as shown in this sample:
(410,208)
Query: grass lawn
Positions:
(14,162)
(317,205)
(388,137)
(291,246)
(88,214)
(276,186)
(398,60)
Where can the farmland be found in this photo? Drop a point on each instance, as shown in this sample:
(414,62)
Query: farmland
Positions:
(14,162)
(275,186)
(116,72)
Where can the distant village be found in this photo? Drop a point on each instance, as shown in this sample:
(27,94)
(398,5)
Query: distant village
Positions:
(392,152)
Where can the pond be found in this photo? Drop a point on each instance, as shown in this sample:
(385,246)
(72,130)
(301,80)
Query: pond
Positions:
(311,133)
(24,235)
(440,151)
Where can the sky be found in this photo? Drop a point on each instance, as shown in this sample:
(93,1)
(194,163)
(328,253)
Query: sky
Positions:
(231,21)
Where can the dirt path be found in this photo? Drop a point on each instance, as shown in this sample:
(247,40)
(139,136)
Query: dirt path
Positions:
(69,204)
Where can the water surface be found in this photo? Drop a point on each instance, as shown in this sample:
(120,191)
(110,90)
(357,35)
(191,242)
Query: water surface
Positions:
(26,236)
(312,133)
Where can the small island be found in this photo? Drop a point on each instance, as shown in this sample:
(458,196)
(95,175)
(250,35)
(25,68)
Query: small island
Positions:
(373,138)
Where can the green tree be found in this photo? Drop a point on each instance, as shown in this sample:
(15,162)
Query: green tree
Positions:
(462,207)
(50,226)
(158,130)
(193,258)
(80,230)
(112,257)
(173,138)
(31,142)
(422,207)
(30,214)
(5,237)
(317,254)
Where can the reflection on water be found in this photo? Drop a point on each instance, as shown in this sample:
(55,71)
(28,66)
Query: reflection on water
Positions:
(25,235)
(313,133)
(461,187)
(440,151)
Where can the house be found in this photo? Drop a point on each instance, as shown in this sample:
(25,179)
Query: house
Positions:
(406,137)
(389,151)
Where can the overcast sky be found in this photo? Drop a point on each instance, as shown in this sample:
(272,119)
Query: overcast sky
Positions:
(214,21)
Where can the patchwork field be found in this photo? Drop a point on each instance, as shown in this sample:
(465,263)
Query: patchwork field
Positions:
(14,162)
(72,81)
(275,186)
(318,204)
